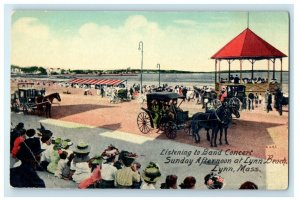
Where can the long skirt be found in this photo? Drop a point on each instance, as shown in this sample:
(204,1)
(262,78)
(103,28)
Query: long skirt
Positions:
(105,184)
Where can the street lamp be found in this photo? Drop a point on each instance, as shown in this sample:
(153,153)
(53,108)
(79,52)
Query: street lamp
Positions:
(158,66)
(141,48)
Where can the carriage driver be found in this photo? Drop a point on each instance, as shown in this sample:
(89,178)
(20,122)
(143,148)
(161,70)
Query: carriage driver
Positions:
(223,94)
(155,109)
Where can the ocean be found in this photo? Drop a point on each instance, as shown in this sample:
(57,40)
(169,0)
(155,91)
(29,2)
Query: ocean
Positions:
(185,79)
(189,79)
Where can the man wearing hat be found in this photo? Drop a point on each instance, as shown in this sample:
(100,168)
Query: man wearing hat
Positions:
(268,100)
(25,175)
(223,94)
(126,176)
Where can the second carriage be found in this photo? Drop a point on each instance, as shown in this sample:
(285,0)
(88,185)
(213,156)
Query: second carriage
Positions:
(24,99)
(163,113)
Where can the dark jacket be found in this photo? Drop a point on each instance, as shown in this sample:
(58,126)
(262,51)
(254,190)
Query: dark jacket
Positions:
(269,98)
(33,140)
(25,176)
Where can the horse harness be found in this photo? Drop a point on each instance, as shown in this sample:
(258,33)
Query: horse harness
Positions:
(209,114)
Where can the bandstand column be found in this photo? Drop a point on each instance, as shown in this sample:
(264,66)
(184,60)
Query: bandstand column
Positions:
(252,71)
(268,70)
(229,69)
(219,70)
(241,73)
(274,68)
(216,62)
(281,73)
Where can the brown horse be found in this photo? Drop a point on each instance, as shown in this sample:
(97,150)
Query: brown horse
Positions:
(44,103)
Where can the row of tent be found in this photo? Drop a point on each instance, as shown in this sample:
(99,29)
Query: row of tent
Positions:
(107,82)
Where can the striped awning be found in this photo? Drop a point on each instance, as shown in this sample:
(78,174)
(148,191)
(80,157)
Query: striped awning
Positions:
(96,81)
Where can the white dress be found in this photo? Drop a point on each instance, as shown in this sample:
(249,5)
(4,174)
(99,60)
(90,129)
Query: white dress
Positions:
(82,172)
(60,166)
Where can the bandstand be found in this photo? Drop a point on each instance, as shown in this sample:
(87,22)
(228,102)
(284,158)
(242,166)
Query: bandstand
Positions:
(248,46)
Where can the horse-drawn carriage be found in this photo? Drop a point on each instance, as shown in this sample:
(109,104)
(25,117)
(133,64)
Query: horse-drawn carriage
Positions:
(163,113)
(119,95)
(205,96)
(30,100)
(24,99)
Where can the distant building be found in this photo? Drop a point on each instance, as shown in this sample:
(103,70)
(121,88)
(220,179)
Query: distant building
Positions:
(54,70)
(16,70)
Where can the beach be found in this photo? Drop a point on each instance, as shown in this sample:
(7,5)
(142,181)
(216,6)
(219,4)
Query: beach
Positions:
(262,134)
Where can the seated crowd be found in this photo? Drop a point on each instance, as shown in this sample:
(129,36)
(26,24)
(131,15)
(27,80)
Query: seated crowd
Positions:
(245,80)
(32,152)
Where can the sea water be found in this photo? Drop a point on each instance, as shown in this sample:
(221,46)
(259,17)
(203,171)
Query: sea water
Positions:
(184,79)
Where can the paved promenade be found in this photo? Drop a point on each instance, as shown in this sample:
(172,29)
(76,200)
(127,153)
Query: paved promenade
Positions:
(173,157)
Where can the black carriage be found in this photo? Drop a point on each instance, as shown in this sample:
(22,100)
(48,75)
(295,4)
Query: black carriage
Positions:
(24,99)
(236,92)
(163,112)
(119,95)
(123,94)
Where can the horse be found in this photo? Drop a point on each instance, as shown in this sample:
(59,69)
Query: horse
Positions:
(216,120)
(53,96)
(190,95)
(44,103)
(204,96)
(198,94)
(232,109)
(212,119)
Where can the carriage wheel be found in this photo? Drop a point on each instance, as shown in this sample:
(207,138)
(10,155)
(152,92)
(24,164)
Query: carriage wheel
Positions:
(25,110)
(143,122)
(162,126)
(170,130)
(162,123)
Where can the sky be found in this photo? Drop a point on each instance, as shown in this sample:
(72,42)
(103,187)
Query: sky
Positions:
(110,40)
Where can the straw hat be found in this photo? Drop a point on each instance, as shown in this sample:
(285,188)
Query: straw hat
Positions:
(97,160)
(110,152)
(66,143)
(57,143)
(151,173)
(127,157)
(82,148)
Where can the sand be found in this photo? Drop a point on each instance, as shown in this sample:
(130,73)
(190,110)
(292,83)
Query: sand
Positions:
(265,134)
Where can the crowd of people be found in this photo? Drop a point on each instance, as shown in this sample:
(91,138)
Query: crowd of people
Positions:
(254,100)
(245,80)
(33,151)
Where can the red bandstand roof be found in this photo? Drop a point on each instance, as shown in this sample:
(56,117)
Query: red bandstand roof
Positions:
(248,45)
(96,81)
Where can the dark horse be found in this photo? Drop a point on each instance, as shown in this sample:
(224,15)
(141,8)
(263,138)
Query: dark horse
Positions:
(216,120)
(44,103)
(232,109)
